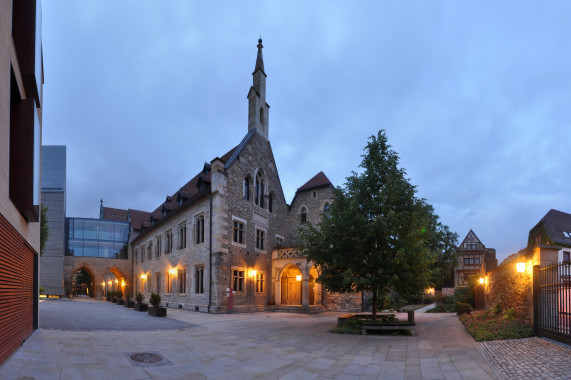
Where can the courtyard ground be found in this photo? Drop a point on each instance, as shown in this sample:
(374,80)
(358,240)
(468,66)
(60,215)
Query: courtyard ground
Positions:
(260,345)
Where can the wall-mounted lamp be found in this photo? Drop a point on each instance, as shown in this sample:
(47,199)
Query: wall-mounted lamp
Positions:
(172,271)
(117,282)
(520,267)
(103,284)
(298,277)
(252,273)
(123,283)
(110,283)
(481,280)
(143,276)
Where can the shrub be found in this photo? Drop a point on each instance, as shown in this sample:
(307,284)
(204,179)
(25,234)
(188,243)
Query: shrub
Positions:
(128,297)
(443,308)
(463,308)
(509,313)
(108,296)
(462,294)
(119,294)
(139,298)
(497,309)
(155,299)
(484,326)
(41,290)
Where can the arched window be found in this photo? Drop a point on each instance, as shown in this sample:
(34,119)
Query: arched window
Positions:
(246,189)
(326,211)
(303,215)
(271,202)
(259,189)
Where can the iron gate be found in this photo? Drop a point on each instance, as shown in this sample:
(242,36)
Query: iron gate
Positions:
(552,301)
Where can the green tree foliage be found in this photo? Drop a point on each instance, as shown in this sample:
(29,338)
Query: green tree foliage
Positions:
(379,235)
(445,246)
(44,230)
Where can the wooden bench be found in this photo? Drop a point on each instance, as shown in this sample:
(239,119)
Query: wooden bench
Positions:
(396,327)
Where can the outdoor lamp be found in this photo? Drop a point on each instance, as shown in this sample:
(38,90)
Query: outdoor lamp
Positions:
(520,267)
(298,277)
(253,273)
(122,282)
(172,271)
(110,283)
(481,280)
(117,281)
(103,283)
(143,276)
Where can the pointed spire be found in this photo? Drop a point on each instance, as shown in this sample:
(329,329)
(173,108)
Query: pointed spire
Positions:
(260,58)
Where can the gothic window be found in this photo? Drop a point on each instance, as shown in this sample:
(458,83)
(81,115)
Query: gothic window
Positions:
(182,236)
(303,215)
(168,242)
(182,280)
(259,189)
(199,279)
(158,248)
(199,229)
(271,202)
(246,189)
(326,211)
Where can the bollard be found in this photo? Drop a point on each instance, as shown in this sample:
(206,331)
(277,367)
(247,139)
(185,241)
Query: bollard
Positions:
(411,315)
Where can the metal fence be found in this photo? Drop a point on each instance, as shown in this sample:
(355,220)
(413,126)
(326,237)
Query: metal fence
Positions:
(552,301)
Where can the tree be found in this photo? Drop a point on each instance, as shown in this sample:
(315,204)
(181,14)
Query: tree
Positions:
(379,236)
(445,246)
(44,229)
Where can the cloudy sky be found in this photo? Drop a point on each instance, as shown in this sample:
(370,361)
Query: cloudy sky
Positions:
(475,98)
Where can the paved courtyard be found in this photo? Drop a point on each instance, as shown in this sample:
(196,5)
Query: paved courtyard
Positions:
(259,345)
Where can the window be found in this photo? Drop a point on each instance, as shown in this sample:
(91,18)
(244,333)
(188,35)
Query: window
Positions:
(182,236)
(260,239)
(199,229)
(477,261)
(150,251)
(238,280)
(246,189)
(314,193)
(566,257)
(326,211)
(238,232)
(259,282)
(168,241)
(136,256)
(259,189)
(158,248)
(169,282)
(271,202)
(158,282)
(143,254)
(471,246)
(182,280)
(199,279)
(279,241)
(567,234)
(303,215)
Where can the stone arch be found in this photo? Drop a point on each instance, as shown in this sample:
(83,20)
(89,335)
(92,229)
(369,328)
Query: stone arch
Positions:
(291,285)
(92,273)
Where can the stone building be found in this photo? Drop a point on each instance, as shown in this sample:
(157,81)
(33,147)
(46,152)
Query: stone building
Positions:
(21,104)
(549,241)
(475,258)
(225,241)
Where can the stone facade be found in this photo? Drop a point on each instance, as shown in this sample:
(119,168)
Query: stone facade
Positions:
(474,259)
(96,267)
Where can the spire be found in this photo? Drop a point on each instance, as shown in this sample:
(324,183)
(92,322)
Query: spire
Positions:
(260,58)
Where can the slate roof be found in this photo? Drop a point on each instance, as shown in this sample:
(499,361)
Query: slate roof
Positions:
(319,180)
(555,223)
(138,218)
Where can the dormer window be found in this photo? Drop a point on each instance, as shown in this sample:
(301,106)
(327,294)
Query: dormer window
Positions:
(567,234)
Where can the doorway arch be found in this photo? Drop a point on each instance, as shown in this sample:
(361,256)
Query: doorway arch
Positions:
(291,285)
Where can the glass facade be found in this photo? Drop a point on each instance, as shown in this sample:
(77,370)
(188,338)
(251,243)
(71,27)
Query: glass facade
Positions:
(96,238)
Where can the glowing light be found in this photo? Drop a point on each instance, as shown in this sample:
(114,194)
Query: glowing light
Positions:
(110,283)
(520,267)
(482,280)
(172,271)
(123,283)
(298,277)
(253,273)
(143,276)
(103,283)
(116,281)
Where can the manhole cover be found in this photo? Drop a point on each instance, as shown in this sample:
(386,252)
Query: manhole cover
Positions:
(148,359)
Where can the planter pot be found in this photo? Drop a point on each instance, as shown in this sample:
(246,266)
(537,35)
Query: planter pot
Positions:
(141,307)
(157,311)
(114,300)
(130,304)
(120,302)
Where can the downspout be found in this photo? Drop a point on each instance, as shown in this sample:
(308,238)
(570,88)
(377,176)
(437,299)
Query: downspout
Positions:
(210,256)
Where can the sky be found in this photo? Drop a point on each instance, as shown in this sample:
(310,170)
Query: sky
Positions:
(474,97)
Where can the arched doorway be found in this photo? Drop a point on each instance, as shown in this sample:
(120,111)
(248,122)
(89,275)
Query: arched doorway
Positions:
(111,282)
(291,286)
(82,283)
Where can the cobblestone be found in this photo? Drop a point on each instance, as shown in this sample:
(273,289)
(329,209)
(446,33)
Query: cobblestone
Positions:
(529,358)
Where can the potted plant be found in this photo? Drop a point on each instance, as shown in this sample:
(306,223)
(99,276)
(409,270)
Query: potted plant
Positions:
(119,294)
(156,310)
(140,306)
(128,301)
(108,296)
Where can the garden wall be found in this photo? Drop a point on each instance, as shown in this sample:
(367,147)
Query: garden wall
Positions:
(510,288)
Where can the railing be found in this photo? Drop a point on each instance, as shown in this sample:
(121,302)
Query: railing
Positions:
(552,301)
(288,253)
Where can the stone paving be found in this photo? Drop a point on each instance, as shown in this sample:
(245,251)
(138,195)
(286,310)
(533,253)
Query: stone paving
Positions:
(529,358)
(261,346)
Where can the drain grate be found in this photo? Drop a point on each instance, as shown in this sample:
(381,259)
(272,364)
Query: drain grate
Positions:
(148,359)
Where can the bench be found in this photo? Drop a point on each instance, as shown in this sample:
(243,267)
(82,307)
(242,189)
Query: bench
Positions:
(386,327)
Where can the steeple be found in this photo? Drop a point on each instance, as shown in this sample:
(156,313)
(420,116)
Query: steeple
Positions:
(258,109)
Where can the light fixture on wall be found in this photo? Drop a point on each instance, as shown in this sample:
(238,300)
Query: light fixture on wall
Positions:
(144,276)
(110,283)
(298,277)
(252,273)
(123,283)
(520,267)
(172,271)
(103,284)
(481,280)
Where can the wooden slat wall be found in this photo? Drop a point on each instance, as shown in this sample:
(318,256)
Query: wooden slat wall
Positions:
(16,289)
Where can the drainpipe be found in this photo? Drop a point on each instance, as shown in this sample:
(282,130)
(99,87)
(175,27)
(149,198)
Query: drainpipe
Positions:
(210,256)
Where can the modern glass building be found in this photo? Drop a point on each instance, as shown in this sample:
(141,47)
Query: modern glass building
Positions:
(96,238)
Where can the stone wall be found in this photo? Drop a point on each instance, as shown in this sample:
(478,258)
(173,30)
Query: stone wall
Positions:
(350,302)
(510,288)
(314,201)
(96,267)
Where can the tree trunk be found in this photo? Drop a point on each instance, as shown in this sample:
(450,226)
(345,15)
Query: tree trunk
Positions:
(375,300)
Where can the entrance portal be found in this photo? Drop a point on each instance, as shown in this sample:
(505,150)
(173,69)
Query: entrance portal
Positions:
(291,286)
(82,284)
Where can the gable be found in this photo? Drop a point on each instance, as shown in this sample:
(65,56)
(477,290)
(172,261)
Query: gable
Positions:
(471,238)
